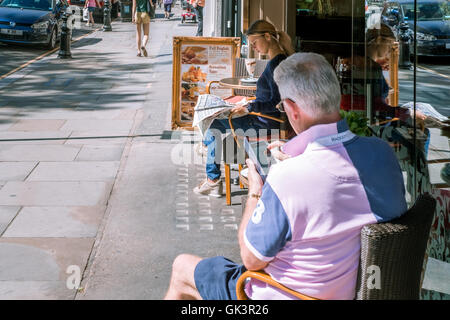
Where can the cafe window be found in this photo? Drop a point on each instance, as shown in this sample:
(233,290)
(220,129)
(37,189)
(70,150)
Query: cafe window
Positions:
(392,59)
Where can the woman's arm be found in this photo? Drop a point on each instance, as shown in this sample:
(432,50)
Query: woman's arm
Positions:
(133,19)
(267,94)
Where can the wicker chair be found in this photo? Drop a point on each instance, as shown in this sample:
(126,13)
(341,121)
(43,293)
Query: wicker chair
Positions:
(397,248)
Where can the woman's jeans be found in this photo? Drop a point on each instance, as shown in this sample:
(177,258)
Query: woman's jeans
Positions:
(246,125)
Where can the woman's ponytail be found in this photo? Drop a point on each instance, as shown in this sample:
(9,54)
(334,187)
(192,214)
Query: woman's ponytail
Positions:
(285,43)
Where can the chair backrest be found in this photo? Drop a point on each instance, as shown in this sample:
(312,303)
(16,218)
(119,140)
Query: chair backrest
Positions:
(396,251)
(241,71)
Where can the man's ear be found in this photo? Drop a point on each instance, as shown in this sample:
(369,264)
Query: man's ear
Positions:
(294,111)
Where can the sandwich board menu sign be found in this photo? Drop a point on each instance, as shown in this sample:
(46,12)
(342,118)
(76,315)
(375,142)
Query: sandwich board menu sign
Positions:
(196,62)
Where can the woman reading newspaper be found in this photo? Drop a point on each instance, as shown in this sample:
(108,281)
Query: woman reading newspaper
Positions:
(265,39)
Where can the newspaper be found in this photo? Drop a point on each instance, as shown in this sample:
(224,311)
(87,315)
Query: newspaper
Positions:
(434,118)
(208,108)
(426,109)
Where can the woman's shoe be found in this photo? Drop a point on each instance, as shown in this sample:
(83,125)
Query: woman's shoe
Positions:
(144,51)
(211,189)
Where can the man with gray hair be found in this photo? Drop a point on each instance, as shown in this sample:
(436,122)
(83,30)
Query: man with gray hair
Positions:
(302,226)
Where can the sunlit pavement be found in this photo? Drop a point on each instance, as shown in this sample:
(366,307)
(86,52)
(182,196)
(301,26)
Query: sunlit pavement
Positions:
(83,197)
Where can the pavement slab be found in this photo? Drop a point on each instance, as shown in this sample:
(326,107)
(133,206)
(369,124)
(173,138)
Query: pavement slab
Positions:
(34,193)
(36,268)
(33,137)
(56,222)
(37,125)
(97,125)
(100,153)
(15,171)
(38,152)
(75,171)
(7,214)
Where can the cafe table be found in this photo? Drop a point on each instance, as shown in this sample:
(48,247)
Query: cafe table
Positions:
(233,83)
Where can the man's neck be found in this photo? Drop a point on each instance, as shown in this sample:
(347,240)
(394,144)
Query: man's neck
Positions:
(324,119)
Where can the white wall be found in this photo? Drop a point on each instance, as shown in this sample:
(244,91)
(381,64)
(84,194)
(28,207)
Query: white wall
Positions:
(212,16)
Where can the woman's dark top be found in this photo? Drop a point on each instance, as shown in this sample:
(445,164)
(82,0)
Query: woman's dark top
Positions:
(267,94)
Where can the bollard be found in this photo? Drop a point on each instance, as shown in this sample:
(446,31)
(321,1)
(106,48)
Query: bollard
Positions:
(66,34)
(404,39)
(107,16)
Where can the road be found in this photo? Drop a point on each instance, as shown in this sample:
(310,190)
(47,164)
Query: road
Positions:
(433,84)
(14,56)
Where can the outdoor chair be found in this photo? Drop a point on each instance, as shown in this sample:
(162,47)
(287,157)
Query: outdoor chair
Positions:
(397,248)
(237,156)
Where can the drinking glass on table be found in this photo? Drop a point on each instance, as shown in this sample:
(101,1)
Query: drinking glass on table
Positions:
(250,65)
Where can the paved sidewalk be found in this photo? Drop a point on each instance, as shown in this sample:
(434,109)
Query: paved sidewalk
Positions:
(76,189)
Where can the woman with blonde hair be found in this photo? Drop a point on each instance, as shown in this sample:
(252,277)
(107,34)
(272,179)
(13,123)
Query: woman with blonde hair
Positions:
(265,39)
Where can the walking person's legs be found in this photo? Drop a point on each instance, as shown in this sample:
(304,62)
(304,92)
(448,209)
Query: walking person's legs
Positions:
(199,11)
(146,28)
(138,37)
(91,17)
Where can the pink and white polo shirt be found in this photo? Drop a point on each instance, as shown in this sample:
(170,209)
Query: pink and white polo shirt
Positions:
(307,222)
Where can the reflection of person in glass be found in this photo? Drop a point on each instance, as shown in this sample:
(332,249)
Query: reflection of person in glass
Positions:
(379,44)
(265,39)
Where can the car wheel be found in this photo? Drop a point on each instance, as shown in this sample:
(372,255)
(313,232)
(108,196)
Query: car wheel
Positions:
(52,42)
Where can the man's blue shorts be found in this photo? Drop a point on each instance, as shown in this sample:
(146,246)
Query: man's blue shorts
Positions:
(216,278)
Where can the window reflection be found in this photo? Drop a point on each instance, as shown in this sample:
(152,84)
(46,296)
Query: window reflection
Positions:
(386,79)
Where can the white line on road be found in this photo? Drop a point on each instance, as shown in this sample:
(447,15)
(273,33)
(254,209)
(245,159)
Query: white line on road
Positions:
(432,71)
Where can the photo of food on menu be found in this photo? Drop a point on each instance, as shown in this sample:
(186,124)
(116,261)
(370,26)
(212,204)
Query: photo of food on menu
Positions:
(194,55)
(199,65)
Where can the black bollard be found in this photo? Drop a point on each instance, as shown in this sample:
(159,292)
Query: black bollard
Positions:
(66,34)
(404,39)
(107,16)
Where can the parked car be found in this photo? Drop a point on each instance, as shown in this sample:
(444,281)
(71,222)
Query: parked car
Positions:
(31,21)
(98,12)
(433,24)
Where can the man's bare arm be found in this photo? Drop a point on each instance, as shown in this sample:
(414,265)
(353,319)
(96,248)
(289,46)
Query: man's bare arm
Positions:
(251,262)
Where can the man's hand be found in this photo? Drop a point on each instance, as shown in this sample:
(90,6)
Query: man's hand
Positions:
(275,150)
(239,110)
(255,182)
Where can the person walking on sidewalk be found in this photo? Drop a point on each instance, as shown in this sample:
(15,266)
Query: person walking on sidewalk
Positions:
(167,8)
(141,17)
(198,6)
(153,9)
(91,5)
